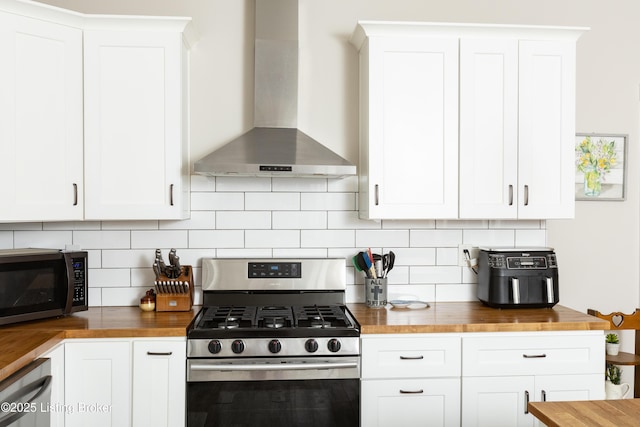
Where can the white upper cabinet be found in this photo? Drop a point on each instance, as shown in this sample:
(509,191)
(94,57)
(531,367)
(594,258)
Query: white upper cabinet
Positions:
(41,125)
(95,115)
(136,156)
(500,147)
(517,127)
(409,128)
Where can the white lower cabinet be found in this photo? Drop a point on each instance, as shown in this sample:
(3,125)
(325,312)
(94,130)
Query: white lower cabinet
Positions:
(410,380)
(125,382)
(98,383)
(501,373)
(159,383)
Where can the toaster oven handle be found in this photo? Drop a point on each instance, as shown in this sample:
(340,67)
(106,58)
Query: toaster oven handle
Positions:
(273,366)
(550,294)
(515,288)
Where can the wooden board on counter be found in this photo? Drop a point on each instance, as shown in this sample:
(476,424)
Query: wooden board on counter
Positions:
(471,317)
(588,413)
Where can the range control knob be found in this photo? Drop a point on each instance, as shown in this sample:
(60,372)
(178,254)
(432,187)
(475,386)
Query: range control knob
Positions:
(311,345)
(275,346)
(237,346)
(215,346)
(333,345)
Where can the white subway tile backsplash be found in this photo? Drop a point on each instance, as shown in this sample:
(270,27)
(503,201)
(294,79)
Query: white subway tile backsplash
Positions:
(122,296)
(328,201)
(327,238)
(242,183)
(74,225)
(130,225)
(447,256)
(386,238)
(159,238)
(344,185)
(217,201)
(137,258)
(530,238)
(349,220)
(243,220)
(199,220)
(299,184)
(435,275)
(238,217)
(201,239)
(408,224)
(42,239)
(102,239)
(299,220)
(202,183)
(435,238)
(272,238)
(109,277)
(272,201)
(413,256)
(453,293)
(490,237)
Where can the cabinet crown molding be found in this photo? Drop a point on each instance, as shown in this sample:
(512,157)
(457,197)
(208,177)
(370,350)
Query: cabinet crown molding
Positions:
(365,29)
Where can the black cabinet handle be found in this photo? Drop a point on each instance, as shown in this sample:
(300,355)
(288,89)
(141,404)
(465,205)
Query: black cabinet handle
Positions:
(411,357)
(412,391)
(534,356)
(153,353)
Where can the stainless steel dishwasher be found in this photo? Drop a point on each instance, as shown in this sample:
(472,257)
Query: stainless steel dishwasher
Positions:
(25,396)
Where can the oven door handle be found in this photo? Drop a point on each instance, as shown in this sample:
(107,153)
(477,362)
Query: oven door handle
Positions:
(273,366)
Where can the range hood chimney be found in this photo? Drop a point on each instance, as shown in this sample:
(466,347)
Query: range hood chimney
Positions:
(275,147)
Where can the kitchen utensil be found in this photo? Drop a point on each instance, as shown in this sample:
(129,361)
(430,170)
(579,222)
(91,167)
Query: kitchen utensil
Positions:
(362,263)
(392,261)
(368,259)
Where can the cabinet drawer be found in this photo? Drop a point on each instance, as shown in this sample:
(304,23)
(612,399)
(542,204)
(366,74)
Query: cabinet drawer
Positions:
(532,355)
(409,402)
(410,357)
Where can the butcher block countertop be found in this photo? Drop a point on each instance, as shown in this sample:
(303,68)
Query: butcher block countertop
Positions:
(593,413)
(21,343)
(471,317)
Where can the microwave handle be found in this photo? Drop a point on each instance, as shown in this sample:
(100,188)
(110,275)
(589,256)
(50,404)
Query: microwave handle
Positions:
(68,262)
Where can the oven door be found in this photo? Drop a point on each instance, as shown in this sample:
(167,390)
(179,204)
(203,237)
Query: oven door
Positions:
(273,392)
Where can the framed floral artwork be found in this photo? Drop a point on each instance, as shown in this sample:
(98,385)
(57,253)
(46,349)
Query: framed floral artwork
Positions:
(600,166)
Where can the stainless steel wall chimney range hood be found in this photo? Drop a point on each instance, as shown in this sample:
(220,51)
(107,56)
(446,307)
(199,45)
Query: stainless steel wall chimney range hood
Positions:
(275,147)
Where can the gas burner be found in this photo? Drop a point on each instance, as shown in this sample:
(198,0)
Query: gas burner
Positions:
(274,322)
(229,323)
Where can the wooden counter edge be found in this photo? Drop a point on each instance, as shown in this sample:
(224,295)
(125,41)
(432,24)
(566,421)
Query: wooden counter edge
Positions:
(31,355)
(536,412)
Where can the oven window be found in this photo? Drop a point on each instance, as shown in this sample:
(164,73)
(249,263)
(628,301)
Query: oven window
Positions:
(29,287)
(300,403)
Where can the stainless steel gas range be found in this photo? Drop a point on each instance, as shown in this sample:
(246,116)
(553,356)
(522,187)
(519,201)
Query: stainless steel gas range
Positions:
(274,344)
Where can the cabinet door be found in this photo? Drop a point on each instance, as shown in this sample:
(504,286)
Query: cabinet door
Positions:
(135,141)
(488,128)
(547,129)
(410,140)
(98,383)
(410,402)
(556,388)
(41,126)
(497,401)
(159,378)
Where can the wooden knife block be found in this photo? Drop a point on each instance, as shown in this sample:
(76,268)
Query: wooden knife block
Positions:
(170,301)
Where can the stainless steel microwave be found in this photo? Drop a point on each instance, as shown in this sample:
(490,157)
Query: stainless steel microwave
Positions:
(41,283)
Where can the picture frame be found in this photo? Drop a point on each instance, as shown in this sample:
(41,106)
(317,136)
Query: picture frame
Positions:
(601,166)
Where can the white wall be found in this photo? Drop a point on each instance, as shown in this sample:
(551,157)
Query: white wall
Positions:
(597,252)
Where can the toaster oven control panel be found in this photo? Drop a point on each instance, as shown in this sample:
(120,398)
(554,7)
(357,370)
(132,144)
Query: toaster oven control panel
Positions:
(522,262)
